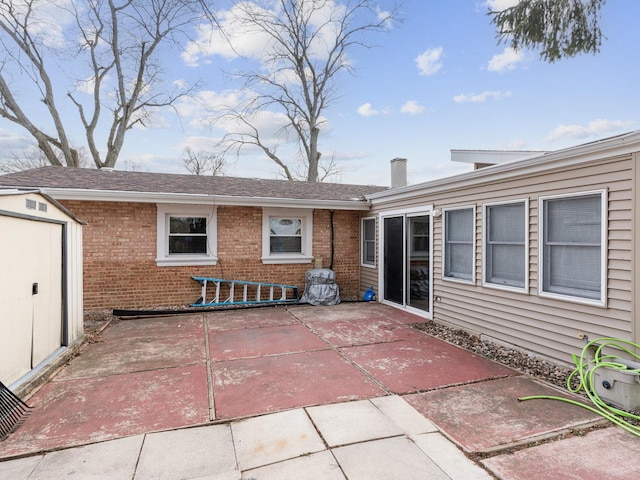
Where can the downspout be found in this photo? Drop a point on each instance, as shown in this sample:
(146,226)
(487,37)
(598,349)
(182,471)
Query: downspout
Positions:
(332,238)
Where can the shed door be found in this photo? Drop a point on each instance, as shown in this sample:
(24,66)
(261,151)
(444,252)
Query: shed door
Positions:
(30,294)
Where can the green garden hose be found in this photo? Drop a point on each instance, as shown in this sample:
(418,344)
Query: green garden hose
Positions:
(585,369)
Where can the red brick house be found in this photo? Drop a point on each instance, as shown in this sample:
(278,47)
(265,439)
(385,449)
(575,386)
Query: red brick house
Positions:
(147,234)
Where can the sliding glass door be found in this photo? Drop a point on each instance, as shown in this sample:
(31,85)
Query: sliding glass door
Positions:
(406,272)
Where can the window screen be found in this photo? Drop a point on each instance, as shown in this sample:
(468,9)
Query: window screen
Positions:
(459,231)
(505,244)
(572,246)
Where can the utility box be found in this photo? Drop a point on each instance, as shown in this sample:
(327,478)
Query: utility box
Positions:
(620,388)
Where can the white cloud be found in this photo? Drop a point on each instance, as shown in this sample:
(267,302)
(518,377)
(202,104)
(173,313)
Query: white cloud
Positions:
(234,42)
(386,17)
(499,5)
(481,97)
(412,107)
(367,110)
(429,61)
(507,60)
(240,37)
(599,126)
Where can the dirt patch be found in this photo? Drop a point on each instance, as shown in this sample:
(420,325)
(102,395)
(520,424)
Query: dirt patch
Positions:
(95,321)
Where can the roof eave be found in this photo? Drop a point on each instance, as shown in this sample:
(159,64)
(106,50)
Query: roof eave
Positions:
(203,199)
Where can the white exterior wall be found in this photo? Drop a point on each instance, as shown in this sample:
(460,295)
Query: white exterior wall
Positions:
(548,327)
(31,252)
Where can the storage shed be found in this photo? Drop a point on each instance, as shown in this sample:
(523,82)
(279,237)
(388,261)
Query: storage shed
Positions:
(40,284)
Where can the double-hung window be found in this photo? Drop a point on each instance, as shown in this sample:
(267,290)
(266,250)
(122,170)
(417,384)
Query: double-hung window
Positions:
(287,235)
(186,235)
(573,239)
(368,235)
(459,244)
(505,245)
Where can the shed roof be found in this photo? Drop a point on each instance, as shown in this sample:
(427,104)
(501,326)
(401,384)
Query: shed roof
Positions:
(84,183)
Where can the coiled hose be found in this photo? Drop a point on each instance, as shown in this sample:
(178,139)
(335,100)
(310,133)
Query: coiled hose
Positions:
(586,366)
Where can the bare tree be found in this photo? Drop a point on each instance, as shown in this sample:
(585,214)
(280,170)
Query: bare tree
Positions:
(560,28)
(203,162)
(307,43)
(119,40)
(32,157)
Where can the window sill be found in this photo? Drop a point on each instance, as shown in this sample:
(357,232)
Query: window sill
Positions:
(185,261)
(466,281)
(507,288)
(573,299)
(276,259)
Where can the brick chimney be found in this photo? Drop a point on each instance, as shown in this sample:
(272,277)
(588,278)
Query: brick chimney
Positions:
(398,172)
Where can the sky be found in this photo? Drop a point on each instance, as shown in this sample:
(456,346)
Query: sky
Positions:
(434,81)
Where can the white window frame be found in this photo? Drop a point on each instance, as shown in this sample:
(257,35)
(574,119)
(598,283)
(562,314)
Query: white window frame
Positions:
(164,213)
(603,249)
(363,261)
(306,216)
(526,226)
(449,278)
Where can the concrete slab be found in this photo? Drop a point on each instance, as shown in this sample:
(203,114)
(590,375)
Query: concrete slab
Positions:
(249,318)
(345,423)
(422,364)
(19,469)
(404,415)
(397,314)
(114,460)
(268,384)
(78,412)
(273,438)
(156,327)
(342,311)
(391,458)
(321,465)
(189,453)
(485,416)
(610,453)
(345,333)
(136,354)
(450,458)
(256,342)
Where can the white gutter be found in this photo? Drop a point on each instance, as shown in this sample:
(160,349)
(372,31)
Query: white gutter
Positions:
(201,199)
(609,147)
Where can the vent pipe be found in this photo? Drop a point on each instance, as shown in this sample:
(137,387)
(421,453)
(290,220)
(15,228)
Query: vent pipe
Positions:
(398,172)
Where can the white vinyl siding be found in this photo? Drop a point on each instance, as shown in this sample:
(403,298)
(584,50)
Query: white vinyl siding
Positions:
(368,248)
(545,324)
(572,239)
(505,244)
(458,244)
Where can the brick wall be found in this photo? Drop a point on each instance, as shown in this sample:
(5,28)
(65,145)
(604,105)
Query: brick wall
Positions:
(119,244)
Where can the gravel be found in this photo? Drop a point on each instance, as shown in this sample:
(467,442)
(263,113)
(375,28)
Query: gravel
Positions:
(513,358)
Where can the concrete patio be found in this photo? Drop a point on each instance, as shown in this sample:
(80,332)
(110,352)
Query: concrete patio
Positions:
(350,391)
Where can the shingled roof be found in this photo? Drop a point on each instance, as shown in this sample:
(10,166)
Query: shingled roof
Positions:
(54,178)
